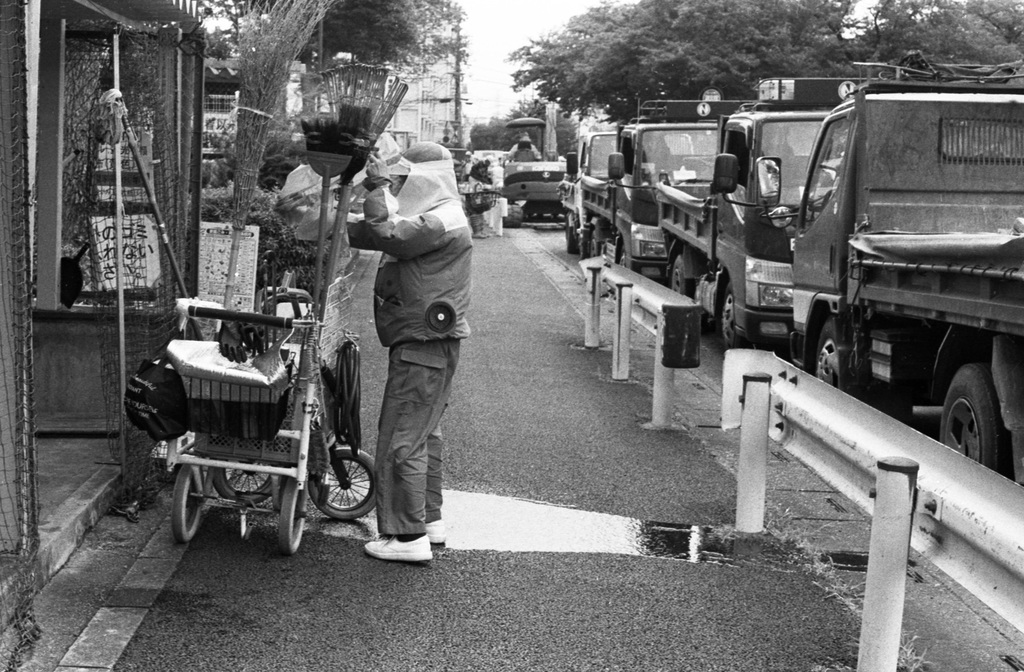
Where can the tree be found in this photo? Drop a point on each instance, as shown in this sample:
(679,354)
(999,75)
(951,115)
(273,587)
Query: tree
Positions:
(406,34)
(614,57)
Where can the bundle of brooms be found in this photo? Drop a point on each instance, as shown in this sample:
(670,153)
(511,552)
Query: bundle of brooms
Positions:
(271,36)
(362,99)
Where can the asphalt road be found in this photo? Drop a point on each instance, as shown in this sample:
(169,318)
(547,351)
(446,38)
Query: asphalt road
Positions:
(534,416)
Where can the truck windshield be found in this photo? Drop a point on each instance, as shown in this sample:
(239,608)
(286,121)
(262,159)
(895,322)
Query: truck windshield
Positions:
(685,155)
(791,141)
(600,147)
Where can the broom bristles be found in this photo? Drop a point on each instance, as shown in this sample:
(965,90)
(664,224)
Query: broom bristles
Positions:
(351,89)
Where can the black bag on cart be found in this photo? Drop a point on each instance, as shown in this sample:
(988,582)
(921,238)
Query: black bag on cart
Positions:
(155,401)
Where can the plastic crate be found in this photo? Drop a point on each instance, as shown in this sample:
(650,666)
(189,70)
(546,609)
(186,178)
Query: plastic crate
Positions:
(283,452)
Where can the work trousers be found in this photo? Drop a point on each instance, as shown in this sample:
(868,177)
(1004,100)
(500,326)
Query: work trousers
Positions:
(409,441)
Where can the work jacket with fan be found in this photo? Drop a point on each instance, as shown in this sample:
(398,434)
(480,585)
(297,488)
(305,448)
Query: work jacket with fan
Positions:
(422,288)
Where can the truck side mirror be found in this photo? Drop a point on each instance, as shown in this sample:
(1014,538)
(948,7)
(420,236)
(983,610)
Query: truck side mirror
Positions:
(572,164)
(726,175)
(769,180)
(616,166)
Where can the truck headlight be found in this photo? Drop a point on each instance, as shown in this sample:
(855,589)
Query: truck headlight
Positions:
(769,283)
(649,248)
(648,241)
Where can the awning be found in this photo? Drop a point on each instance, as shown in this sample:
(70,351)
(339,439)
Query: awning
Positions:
(133,13)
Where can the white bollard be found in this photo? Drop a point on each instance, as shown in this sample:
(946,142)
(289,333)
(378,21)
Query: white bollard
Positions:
(664,382)
(623,328)
(592,326)
(751,471)
(497,213)
(889,548)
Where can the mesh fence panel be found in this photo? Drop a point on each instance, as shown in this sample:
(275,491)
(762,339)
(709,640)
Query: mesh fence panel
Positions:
(155,77)
(19,525)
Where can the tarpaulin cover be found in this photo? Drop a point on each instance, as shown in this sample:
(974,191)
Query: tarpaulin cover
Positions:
(985,249)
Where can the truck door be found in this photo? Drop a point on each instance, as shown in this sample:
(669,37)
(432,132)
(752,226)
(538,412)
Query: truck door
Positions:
(819,259)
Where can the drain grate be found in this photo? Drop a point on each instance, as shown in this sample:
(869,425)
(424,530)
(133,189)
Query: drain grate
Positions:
(1014,662)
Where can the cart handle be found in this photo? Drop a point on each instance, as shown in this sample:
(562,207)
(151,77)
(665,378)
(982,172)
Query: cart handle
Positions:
(241,316)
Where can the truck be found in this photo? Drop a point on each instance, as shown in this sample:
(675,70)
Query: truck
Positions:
(730,255)
(589,163)
(907,281)
(674,138)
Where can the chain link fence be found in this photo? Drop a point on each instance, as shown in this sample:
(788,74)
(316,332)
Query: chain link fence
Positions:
(155,74)
(19,524)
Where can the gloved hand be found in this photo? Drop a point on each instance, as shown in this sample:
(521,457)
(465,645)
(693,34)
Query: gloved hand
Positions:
(237,341)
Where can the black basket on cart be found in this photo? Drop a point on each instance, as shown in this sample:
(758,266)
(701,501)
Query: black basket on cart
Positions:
(479,202)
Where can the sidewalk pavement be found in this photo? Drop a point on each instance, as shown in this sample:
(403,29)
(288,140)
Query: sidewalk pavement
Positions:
(89,610)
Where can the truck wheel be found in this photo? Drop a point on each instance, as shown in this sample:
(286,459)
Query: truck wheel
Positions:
(572,243)
(827,364)
(971,422)
(514,220)
(730,337)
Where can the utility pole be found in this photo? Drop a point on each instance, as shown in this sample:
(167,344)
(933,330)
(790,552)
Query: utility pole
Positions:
(457,135)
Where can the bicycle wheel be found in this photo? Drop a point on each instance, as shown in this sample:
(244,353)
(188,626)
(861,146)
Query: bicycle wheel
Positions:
(353,495)
(240,484)
(187,503)
(292,520)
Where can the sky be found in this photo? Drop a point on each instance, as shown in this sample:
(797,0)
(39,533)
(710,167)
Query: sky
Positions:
(494,29)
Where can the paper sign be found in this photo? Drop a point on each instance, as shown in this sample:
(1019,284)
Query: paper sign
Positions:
(214,258)
(140,257)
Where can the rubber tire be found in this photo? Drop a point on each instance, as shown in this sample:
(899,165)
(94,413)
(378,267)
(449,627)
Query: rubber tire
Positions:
(688,288)
(727,321)
(292,519)
(514,220)
(827,366)
(354,502)
(257,486)
(186,506)
(971,421)
(572,243)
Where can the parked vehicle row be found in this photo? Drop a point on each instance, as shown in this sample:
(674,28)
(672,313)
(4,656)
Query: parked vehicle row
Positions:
(877,243)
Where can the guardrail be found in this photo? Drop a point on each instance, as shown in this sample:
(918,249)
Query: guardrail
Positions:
(673,319)
(966,519)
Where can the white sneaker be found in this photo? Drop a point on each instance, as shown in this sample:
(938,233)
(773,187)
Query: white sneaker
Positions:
(391,548)
(436,532)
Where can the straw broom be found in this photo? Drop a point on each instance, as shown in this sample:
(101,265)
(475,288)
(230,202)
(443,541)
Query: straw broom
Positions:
(271,37)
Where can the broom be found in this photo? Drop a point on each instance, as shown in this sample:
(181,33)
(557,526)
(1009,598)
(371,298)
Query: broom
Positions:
(362,100)
(272,35)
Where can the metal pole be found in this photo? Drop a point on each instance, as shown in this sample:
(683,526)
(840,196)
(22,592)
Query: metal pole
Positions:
(889,548)
(623,326)
(592,320)
(664,381)
(751,471)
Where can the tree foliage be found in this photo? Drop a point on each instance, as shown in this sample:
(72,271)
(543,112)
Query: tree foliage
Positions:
(403,34)
(613,57)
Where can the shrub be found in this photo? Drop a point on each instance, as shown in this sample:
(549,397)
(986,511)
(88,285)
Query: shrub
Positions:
(298,256)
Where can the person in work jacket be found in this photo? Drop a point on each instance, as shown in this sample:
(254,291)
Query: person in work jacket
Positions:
(414,216)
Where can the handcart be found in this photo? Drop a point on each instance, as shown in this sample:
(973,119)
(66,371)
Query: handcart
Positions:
(479,202)
(254,434)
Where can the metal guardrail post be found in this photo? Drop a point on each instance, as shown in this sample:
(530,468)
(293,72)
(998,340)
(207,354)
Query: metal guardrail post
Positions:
(592,326)
(664,381)
(623,328)
(751,471)
(886,585)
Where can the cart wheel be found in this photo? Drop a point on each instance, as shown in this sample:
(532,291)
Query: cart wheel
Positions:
(251,486)
(292,520)
(351,497)
(187,504)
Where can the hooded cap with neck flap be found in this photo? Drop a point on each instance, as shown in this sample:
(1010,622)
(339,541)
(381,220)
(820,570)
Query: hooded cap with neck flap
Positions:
(429,182)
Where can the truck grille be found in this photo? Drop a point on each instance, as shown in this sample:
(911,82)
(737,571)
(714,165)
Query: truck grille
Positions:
(982,141)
